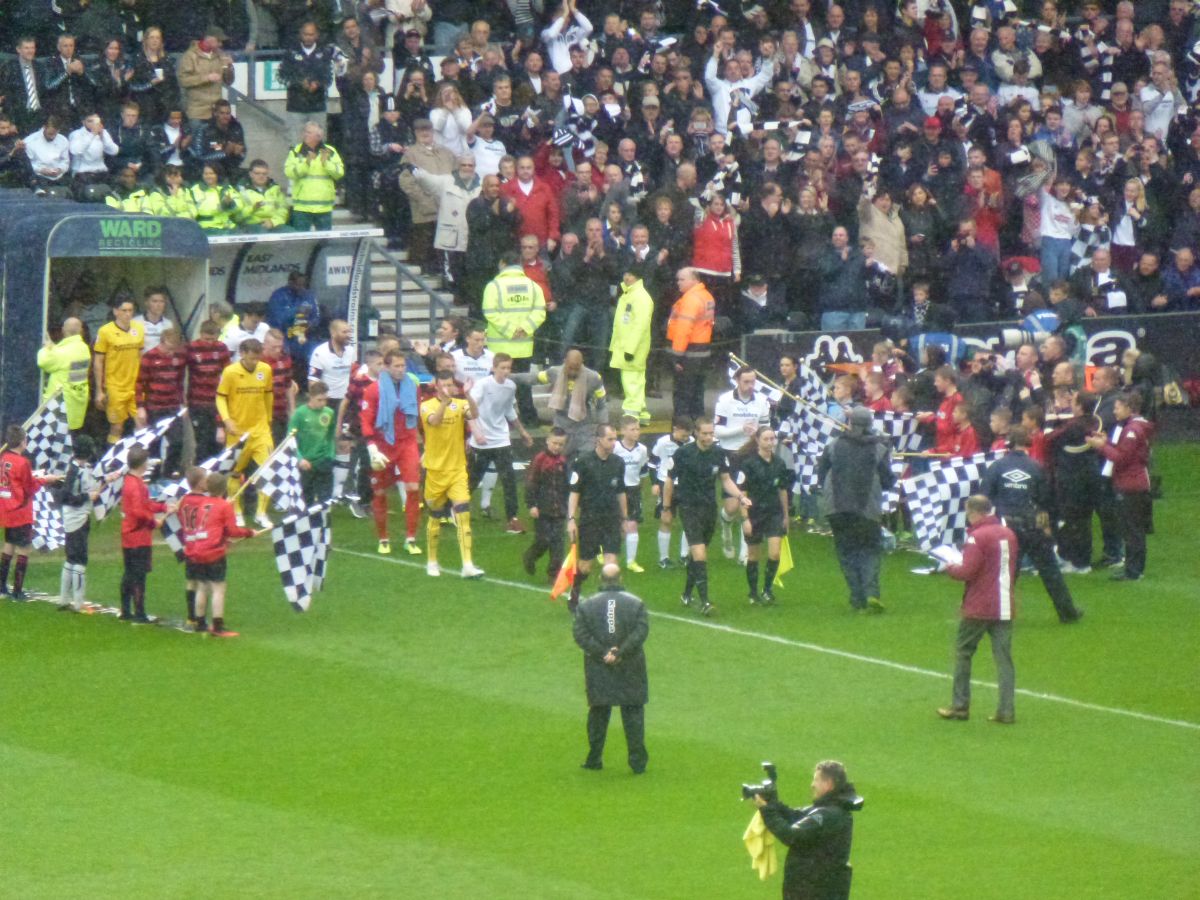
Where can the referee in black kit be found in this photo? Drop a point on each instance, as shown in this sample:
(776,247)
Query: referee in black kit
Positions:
(596,506)
(690,489)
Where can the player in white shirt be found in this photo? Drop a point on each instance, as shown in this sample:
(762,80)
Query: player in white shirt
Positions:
(153,320)
(333,362)
(475,361)
(251,324)
(636,458)
(738,415)
(660,458)
(491,442)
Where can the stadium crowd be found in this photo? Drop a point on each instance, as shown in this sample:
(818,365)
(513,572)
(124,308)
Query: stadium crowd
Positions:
(603,187)
(930,162)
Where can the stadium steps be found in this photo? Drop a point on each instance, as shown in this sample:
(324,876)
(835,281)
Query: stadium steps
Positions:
(413,318)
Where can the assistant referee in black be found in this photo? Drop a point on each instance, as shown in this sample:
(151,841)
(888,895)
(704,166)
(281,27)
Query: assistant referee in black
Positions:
(690,489)
(1017,487)
(596,506)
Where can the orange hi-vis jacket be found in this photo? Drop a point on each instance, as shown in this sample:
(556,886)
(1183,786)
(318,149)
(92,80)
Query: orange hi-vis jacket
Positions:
(689,329)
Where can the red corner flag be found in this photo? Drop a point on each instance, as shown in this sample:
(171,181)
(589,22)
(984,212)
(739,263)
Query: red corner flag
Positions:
(566,575)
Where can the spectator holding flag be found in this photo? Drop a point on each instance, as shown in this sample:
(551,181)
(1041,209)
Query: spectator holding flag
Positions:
(854,471)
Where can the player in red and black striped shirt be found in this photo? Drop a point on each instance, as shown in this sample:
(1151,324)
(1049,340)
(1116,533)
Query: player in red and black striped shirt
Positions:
(207,357)
(160,394)
(275,356)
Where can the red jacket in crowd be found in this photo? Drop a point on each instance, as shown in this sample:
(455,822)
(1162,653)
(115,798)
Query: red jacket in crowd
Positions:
(138,512)
(17,487)
(1130,456)
(208,524)
(538,209)
(160,379)
(991,559)
(536,272)
(714,245)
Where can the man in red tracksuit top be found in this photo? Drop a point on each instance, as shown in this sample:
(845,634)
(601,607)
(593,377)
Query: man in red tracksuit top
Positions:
(389,416)
(208,522)
(17,487)
(140,516)
(989,567)
(1127,461)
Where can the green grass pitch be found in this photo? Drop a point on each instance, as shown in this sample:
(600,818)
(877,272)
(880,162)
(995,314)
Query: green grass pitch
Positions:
(421,739)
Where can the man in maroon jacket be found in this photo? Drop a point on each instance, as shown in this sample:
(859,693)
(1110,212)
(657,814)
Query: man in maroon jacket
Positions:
(1127,458)
(990,561)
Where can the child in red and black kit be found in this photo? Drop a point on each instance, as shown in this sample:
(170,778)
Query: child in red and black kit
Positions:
(546,497)
(208,522)
(140,516)
(17,487)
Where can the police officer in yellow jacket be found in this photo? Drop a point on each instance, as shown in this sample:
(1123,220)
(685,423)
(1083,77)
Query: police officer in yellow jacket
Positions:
(514,307)
(66,366)
(314,168)
(630,344)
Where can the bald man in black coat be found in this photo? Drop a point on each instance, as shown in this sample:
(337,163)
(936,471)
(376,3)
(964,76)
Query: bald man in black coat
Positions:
(610,628)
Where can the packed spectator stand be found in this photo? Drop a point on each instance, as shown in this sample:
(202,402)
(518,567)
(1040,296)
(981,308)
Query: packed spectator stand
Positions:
(818,167)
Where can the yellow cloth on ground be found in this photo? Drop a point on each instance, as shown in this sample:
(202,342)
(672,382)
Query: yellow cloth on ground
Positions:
(760,844)
(785,562)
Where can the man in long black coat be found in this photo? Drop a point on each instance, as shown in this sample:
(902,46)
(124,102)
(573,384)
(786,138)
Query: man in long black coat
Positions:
(610,628)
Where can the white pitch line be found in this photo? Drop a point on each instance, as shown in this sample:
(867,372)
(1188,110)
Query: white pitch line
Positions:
(817,648)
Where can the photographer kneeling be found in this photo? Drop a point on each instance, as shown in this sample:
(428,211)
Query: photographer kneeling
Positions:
(818,836)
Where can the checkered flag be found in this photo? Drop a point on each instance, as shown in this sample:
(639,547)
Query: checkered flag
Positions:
(301,551)
(811,433)
(937,499)
(50,438)
(891,497)
(773,395)
(48,531)
(116,460)
(279,478)
(901,427)
(222,464)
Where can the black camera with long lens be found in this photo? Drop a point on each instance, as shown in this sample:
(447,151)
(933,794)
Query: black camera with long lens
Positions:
(766,788)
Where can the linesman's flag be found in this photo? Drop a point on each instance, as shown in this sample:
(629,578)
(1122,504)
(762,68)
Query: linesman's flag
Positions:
(566,575)
(785,562)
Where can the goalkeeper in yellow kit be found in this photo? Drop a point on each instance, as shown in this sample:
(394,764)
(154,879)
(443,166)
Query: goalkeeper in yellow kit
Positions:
(245,400)
(445,417)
